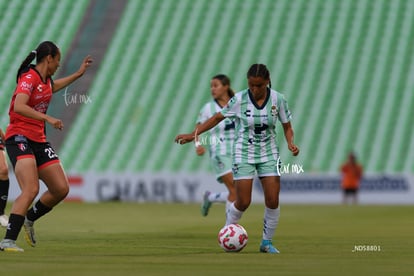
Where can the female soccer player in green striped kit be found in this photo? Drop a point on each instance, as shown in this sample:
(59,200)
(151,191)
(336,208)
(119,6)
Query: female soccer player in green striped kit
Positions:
(220,143)
(256,111)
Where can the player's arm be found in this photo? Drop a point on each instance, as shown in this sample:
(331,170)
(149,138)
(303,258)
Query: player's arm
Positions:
(22,108)
(288,130)
(63,82)
(200,128)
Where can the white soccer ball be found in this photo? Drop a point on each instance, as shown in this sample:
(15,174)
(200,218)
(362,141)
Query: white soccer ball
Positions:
(232,238)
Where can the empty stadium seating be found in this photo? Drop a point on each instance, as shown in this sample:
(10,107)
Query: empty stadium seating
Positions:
(345,67)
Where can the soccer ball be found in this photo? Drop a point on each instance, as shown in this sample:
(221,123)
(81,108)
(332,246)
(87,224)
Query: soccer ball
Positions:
(232,238)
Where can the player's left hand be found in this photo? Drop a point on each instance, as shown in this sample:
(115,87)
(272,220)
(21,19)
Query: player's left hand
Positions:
(87,61)
(294,149)
(184,138)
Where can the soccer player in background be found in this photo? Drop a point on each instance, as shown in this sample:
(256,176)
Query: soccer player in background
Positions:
(4,182)
(32,157)
(256,111)
(351,176)
(220,143)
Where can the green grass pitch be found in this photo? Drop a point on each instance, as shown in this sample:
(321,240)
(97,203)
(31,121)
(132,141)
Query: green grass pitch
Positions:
(173,239)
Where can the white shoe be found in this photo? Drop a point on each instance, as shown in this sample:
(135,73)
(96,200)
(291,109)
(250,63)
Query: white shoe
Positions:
(4,220)
(10,246)
(29,232)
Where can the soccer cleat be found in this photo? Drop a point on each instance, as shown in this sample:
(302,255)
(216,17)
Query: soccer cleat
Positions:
(10,246)
(205,206)
(4,220)
(267,247)
(29,233)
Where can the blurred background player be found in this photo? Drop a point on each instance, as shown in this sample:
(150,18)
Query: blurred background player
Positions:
(220,143)
(256,111)
(351,176)
(33,158)
(4,182)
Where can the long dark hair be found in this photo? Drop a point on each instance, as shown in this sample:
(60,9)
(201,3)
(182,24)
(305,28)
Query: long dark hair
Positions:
(43,50)
(225,80)
(259,70)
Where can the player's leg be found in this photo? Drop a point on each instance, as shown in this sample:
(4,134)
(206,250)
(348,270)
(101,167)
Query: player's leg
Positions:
(51,173)
(355,196)
(27,177)
(243,199)
(22,157)
(347,196)
(343,196)
(4,186)
(57,183)
(222,169)
(271,189)
(270,178)
(58,187)
(231,196)
(243,180)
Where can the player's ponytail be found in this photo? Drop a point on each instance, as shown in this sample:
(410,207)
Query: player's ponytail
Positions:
(43,50)
(25,64)
(225,80)
(259,70)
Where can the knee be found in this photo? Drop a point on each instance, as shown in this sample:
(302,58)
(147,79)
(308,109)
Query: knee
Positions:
(62,192)
(242,204)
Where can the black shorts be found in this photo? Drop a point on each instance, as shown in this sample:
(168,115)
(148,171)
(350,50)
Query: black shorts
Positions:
(350,191)
(19,147)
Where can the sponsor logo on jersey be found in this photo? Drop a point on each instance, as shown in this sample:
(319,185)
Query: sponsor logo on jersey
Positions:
(26,86)
(229,125)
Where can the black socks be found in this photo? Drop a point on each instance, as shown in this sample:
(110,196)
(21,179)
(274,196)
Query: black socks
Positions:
(4,193)
(37,210)
(15,224)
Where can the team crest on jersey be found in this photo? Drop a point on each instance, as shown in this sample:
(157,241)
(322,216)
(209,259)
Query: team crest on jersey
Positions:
(39,88)
(22,146)
(274,111)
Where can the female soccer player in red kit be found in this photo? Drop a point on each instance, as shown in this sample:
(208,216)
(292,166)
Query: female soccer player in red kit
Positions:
(32,157)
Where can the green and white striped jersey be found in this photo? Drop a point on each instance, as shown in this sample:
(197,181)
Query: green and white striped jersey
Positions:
(255,140)
(221,137)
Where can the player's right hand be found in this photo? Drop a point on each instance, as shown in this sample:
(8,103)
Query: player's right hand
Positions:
(184,138)
(56,123)
(200,150)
